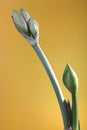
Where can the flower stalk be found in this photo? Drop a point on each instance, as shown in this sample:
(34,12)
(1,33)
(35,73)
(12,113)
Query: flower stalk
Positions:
(70,80)
(75,124)
(54,82)
(29,29)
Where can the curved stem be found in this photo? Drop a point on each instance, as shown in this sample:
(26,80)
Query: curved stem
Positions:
(75,124)
(53,80)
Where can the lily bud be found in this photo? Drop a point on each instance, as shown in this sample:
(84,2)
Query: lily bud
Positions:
(25,15)
(70,79)
(19,22)
(26,26)
(33,27)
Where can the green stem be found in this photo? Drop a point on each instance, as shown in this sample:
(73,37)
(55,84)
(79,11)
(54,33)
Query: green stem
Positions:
(53,80)
(75,124)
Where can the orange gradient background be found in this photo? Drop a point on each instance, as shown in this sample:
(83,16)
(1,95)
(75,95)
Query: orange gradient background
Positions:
(27,99)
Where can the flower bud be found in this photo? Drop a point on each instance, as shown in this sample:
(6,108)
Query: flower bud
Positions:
(33,27)
(19,22)
(70,79)
(25,15)
(26,26)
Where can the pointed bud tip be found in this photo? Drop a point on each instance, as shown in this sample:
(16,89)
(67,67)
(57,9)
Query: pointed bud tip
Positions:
(24,14)
(70,79)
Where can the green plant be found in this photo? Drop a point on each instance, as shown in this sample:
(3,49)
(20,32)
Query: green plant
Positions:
(28,27)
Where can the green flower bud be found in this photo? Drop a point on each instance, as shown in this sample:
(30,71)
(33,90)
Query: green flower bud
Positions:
(19,22)
(33,27)
(25,15)
(26,26)
(70,79)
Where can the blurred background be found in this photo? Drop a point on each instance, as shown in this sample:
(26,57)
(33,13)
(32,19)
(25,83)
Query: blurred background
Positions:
(27,99)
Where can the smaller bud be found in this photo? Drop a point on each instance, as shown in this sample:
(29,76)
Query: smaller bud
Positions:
(70,79)
(33,27)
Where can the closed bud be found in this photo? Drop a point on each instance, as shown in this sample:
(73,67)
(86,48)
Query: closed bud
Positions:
(19,22)
(33,27)
(26,26)
(25,15)
(70,79)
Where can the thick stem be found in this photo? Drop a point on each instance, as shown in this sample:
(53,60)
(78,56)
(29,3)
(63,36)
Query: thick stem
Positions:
(75,124)
(53,80)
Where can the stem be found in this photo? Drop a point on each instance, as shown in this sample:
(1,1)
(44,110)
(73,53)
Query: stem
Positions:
(53,80)
(75,111)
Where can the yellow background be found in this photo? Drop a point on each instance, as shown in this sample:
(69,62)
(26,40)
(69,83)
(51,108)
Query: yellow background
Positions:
(27,99)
